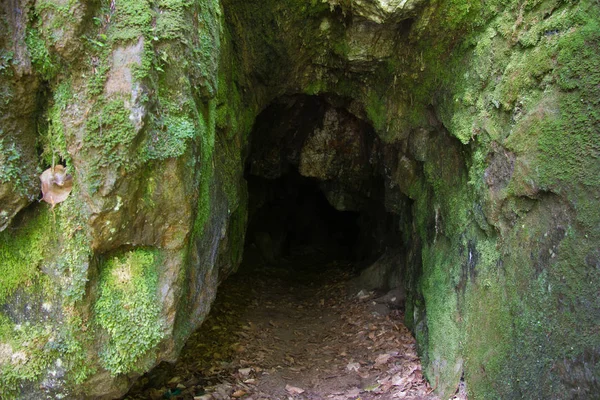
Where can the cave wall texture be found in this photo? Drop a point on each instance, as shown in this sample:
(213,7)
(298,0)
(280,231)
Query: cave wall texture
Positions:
(488,118)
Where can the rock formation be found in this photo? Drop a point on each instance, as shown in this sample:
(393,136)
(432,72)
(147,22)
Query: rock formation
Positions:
(476,124)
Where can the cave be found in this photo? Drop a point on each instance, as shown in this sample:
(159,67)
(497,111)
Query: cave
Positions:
(315,187)
(441,152)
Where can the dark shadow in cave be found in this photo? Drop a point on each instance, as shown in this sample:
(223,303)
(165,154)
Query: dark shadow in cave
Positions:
(290,217)
(336,211)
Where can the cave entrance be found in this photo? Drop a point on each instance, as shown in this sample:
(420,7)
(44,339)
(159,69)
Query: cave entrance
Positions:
(315,188)
(316,307)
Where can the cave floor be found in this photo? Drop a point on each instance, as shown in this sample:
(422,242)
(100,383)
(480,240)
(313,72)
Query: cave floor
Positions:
(292,332)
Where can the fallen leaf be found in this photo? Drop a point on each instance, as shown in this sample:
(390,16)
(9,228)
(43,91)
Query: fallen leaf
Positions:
(293,389)
(372,387)
(353,367)
(399,380)
(245,371)
(382,359)
(239,393)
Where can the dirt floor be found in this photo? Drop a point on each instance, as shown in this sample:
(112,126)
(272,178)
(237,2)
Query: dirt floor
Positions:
(293,331)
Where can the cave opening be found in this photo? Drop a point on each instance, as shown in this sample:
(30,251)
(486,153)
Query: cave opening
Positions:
(316,190)
(320,284)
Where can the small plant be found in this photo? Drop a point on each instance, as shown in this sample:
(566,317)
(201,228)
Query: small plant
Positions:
(5,60)
(40,57)
(9,159)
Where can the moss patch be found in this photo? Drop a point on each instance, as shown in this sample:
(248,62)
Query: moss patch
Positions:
(128,310)
(23,249)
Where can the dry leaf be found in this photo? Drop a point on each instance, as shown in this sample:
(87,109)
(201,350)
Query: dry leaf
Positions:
(293,389)
(238,393)
(382,359)
(56,185)
(353,366)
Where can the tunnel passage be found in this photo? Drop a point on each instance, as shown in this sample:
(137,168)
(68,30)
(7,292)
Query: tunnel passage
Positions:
(315,187)
(330,241)
(291,216)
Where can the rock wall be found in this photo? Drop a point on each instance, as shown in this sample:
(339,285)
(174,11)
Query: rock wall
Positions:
(113,280)
(487,118)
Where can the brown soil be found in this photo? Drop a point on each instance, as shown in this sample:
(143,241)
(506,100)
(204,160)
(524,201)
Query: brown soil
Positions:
(293,332)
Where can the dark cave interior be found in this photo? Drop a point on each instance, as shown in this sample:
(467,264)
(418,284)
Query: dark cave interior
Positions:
(334,209)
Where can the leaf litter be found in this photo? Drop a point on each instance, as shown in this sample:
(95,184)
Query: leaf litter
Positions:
(292,332)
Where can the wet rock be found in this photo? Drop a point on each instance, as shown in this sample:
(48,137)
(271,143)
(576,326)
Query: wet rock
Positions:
(394,298)
(379,309)
(339,150)
(382,274)
(381,11)
(18,109)
(500,170)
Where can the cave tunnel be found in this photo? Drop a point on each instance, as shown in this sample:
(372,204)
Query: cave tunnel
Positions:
(321,233)
(316,189)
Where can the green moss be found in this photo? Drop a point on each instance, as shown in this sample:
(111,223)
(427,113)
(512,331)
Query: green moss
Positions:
(130,19)
(128,310)
(488,325)
(59,13)
(40,56)
(206,172)
(29,346)
(23,249)
(10,169)
(100,69)
(6,60)
(45,256)
(72,262)
(569,142)
(444,328)
(171,139)
(173,18)
(36,349)
(54,143)
(110,131)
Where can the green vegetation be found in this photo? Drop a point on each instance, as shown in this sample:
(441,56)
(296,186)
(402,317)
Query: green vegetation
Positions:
(30,262)
(6,58)
(23,250)
(10,170)
(130,19)
(569,141)
(128,310)
(40,57)
(54,142)
(110,131)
